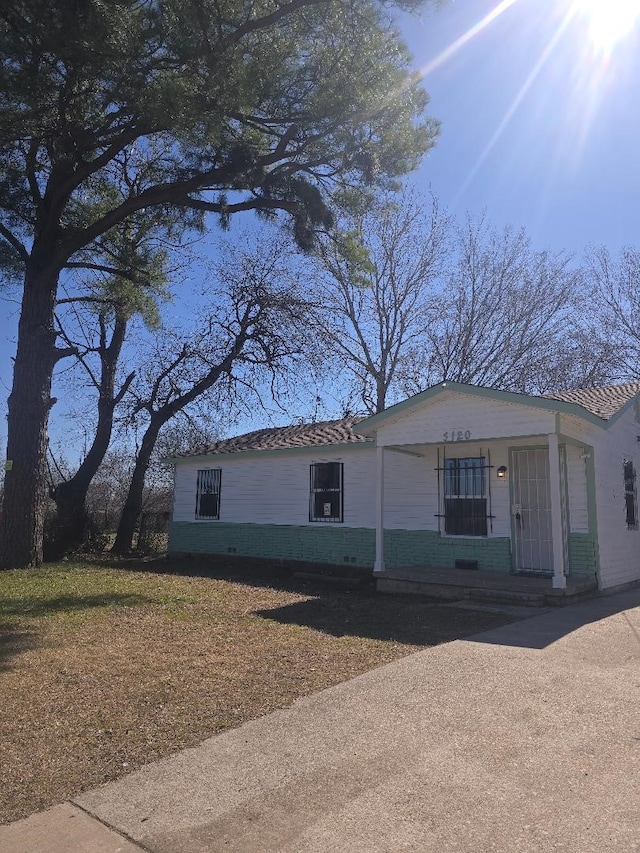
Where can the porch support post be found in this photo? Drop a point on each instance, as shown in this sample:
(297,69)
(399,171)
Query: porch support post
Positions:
(378,566)
(559,578)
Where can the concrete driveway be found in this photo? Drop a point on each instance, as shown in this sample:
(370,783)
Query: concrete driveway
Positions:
(526,738)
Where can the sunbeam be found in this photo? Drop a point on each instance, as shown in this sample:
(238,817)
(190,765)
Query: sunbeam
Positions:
(473,31)
(524,89)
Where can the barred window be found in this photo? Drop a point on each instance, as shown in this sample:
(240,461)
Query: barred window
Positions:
(326,495)
(465,501)
(208,493)
(630,495)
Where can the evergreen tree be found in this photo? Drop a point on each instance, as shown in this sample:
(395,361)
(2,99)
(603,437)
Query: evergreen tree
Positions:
(109,108)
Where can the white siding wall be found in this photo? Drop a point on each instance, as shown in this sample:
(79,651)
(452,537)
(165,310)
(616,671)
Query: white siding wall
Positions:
(274,488)
(482,417)
(577,489)
(411,487)
(410,491)
(619,547)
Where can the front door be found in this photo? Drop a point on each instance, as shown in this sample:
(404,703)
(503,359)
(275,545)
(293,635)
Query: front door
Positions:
(531,511)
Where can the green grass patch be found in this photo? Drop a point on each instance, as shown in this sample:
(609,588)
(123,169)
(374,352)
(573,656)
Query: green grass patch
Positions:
(65,590)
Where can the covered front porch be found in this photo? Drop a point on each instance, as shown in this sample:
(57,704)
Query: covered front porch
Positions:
(518,511)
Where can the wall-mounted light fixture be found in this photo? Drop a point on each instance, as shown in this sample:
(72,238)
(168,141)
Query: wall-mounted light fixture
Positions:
(501,473)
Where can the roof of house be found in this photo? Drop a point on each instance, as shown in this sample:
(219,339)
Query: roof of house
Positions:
(298,435)
(603,402)
(597,405)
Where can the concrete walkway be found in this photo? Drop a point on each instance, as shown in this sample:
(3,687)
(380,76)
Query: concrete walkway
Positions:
(526,738)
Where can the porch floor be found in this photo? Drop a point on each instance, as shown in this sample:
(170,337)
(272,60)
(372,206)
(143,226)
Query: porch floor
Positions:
(479,585)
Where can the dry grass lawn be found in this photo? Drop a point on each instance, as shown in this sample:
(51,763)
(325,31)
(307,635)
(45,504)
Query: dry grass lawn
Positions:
(104,668)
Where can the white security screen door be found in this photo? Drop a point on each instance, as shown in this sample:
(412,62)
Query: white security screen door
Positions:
(532,511)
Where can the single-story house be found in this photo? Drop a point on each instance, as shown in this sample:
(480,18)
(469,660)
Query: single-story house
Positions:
(456,476)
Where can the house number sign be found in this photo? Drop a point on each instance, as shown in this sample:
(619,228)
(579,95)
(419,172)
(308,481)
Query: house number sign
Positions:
(457,435)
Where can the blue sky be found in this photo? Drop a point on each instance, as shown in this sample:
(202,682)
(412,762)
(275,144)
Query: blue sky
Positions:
(540,127)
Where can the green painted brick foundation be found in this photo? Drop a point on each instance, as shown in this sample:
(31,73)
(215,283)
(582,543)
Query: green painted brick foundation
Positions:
(313,544)
(429,548)
(356,545)
(332,544)
(582,554)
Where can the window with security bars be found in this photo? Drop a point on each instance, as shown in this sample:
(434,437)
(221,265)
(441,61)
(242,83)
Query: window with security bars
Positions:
(465,500)
(208,493)
(630,495)
(326,497)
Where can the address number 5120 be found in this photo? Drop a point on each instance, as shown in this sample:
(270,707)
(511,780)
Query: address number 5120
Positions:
(457,435)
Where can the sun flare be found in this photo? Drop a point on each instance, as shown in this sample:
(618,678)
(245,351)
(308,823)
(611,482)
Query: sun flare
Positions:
(609,21)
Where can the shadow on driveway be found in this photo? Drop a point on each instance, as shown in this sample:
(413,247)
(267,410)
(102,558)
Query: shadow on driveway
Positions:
(552,626)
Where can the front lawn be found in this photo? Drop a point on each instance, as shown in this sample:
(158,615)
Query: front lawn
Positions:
(104,668)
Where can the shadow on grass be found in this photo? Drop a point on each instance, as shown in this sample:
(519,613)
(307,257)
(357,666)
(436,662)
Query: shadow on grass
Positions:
(418,621)
(14,640)
(28,606)
(336,608)
(399,619)
(252,571)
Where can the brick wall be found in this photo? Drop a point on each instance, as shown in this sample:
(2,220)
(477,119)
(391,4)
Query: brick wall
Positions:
(313,544)
(582,554)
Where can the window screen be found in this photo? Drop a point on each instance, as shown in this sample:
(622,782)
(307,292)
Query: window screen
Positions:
(208,493)
(630,495)
(326,498)
(465,502)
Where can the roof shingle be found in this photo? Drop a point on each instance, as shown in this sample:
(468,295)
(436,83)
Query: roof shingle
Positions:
(297,435)
(603,402)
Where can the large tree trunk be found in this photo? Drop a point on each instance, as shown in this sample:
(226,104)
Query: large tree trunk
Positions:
(25,492)
(72,521)
(73,528)
(133,504)
(381,394)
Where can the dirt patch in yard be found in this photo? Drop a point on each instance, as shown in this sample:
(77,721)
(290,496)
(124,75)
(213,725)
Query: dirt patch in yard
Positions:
(104,668)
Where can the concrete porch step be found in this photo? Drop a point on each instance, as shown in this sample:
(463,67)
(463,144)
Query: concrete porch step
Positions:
(444,592)
(482,586)
(521,611)
(506,596)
